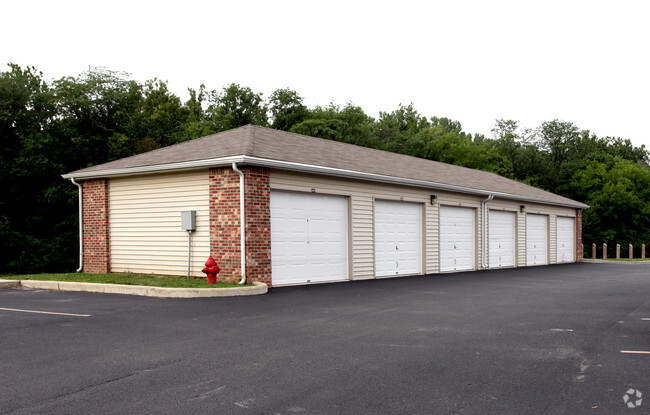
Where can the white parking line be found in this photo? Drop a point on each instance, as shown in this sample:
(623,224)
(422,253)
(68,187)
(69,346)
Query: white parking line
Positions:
(44,312)
(635,351)
(646,319)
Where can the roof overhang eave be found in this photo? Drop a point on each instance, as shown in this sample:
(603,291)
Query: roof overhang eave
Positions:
(310,168)
(159,168)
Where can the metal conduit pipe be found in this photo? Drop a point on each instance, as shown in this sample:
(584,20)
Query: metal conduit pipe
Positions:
(81,226)
(484,230)
(242,221)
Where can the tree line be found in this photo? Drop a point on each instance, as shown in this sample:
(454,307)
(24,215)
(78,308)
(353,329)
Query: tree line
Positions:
(53,127)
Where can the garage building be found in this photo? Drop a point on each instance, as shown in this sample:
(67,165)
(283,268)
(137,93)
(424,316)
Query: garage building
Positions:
(315,211)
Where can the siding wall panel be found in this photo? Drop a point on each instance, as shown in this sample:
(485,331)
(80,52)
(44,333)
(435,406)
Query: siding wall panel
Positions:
(145,226)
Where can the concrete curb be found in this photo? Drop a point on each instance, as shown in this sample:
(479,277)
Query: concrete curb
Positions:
(9,284)
(258,288)
(601,261)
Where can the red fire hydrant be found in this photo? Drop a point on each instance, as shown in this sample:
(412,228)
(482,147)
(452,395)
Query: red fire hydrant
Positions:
(211,270)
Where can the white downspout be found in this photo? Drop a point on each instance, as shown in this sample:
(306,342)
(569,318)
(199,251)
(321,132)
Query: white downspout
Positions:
(242,221)
(484,229)
(81,226)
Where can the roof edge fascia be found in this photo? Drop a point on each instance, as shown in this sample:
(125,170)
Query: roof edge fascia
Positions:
(309,168)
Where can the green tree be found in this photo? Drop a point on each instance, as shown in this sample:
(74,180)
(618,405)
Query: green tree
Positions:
(236,106)
(618,193)
(197,124)
(36,233)
(442,142)
(162,115)
(287,109)
(95,106)
(394,129)
(349,124)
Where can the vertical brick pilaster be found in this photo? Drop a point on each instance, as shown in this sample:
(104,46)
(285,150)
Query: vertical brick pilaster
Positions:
(96,249)
(258,224)
(579,252)
(225,223)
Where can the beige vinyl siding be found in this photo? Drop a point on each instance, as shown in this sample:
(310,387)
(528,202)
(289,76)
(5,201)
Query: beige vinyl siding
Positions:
(363,237)
(431,237)
(362,195)
(145,223)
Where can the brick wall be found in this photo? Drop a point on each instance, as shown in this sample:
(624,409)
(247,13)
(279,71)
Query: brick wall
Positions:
(258,224)
(579,252)
(225,226)
(96,241)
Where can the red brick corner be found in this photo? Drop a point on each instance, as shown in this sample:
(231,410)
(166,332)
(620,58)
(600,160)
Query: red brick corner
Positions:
(579,251)
(96,242)
(225,225)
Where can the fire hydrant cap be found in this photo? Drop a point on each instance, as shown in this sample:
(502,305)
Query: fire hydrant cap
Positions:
(210,262)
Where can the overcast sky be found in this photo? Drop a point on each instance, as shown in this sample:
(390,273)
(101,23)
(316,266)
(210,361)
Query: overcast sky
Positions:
(474,61)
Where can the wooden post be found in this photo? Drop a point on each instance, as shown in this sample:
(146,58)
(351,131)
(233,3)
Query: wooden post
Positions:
(593,251)
(604,251)
(643,251)
(631,252)
(618,251)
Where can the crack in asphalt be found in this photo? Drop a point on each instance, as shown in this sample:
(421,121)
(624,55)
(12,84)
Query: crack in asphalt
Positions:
(89,387)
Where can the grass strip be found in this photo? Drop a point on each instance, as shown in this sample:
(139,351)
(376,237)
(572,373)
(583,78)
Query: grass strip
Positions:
(126,279)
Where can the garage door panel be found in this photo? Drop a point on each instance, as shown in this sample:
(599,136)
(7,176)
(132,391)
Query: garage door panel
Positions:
(536,239)
(398,238)
(457,238)
(308,238)
(565,239)
(501,240)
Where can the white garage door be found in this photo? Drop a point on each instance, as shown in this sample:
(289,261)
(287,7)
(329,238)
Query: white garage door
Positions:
(309,235)
(398,238)
(457,238)
(566,239)
(501,239)
(536,239)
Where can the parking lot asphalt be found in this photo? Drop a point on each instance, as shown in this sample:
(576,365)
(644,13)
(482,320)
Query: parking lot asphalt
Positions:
(528,340)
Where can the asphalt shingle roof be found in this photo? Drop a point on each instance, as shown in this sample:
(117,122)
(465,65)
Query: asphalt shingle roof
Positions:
(278,145)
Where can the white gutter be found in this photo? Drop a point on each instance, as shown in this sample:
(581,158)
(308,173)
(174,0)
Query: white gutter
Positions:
(81,225)
(310,168)
(484,229)
(242,221)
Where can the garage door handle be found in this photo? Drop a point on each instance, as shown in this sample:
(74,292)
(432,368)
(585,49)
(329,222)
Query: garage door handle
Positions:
(396,264)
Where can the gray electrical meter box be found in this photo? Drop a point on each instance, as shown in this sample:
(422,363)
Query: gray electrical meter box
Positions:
(188,220)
